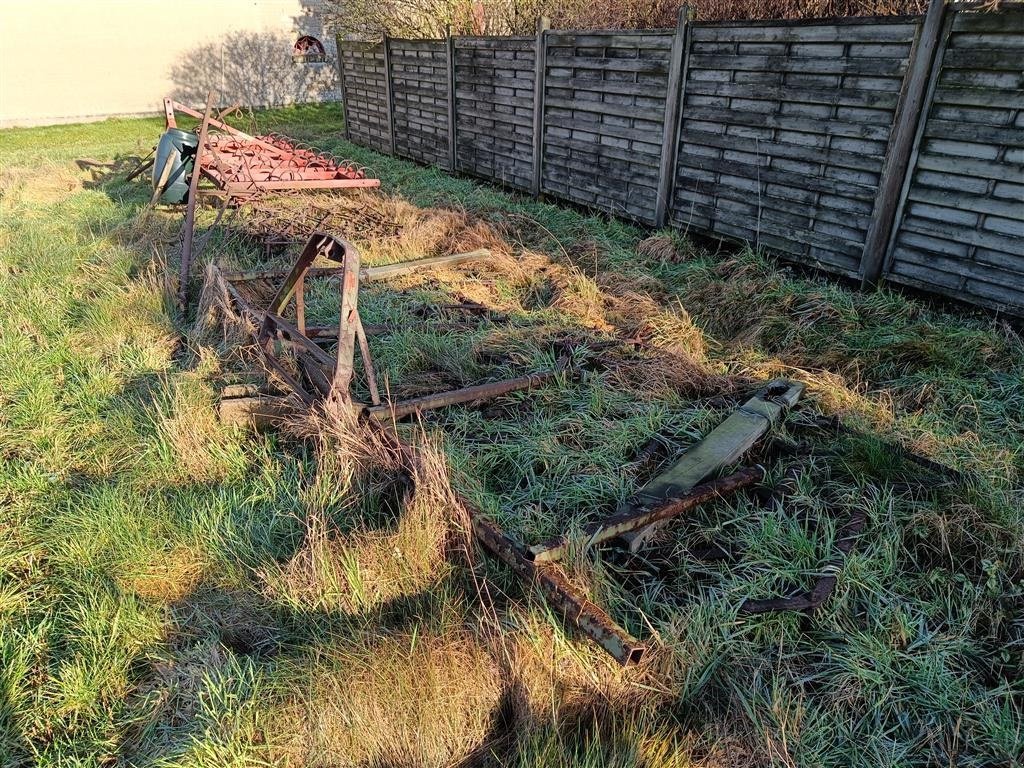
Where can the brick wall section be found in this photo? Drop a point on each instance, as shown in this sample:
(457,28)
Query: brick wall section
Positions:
(494,108)
(961,230)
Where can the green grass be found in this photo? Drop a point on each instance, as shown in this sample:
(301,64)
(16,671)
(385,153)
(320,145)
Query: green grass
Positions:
(174,592)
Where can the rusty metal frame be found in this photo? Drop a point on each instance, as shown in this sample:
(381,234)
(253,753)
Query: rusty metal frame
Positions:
(242,165)
(333,389)
(326,378)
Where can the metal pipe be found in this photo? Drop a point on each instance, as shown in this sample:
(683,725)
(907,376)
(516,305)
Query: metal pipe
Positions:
(407,267)
(453,397)
(559,593)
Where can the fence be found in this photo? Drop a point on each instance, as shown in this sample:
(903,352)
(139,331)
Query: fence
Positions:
(866,147)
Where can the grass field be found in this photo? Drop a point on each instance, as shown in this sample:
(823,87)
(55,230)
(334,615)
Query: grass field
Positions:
(176,592)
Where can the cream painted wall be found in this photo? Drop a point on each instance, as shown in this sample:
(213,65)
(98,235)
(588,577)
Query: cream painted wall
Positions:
(76,60)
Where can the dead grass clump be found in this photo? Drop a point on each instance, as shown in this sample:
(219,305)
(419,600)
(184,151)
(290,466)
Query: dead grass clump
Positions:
(191,435)
(434,232)
(147,228)
(552,676)
(401,518)
(661,248)
(44,184)
(409,700)
(166,577)
(665,375)
(579,296)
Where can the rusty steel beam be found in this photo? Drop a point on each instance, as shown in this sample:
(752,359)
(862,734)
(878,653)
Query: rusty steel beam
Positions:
(405,408)
(235,188)
(559,593)
(823,587)
(630,520)
(190,210)
(241,165)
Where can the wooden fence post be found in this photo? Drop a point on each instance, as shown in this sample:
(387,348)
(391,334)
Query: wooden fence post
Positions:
(911,111)
(670,130)
(341,83)
(451,102)
(388,93)
(539,69)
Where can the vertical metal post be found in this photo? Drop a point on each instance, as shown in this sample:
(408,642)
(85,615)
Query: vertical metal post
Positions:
(451,103)
(539,69)
(388,92)
(341,83)
(670,130)
(185,267)
(912,110)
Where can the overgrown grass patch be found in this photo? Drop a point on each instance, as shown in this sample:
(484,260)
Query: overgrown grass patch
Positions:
(175,592)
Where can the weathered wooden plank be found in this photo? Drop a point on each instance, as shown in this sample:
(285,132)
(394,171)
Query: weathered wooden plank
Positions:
(766,175)
(510,43)
(973,132)
(643,66)
(764,32)
(789,93)
(923,68)
(539,88)
(769,149)
(575,126)
(655,90)
(980,97)
(952,198)
(966,236)
(654,114)
(689,192)
(987,169)
(617,39)
(785,122)
(830,65)
(1009,21)
(389,93)
(670,135)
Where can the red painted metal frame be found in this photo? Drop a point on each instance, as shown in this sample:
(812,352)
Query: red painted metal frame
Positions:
(243,165)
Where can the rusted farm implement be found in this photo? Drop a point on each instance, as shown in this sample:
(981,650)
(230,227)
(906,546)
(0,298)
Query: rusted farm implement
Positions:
(295,354)
(316,366)
(236,167)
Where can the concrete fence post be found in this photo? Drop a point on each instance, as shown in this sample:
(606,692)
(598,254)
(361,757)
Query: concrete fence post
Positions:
(911,110)
(389,93)
(539,69)
(673,103)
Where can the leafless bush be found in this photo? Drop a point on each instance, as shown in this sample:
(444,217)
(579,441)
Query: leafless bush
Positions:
(250,68)
(433,18)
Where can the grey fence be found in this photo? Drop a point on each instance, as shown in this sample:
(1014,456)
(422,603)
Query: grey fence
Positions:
(867,147)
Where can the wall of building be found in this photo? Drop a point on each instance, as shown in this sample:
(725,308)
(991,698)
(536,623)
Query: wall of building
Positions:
(76,60)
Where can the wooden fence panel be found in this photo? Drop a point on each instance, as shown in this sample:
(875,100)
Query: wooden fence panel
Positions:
(784,134)
(784,131)
(604,112)
(419,83)
(960,230)
(365,92)
(494,108)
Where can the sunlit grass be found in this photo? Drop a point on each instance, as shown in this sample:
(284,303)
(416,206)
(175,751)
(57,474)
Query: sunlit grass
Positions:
(175,592)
